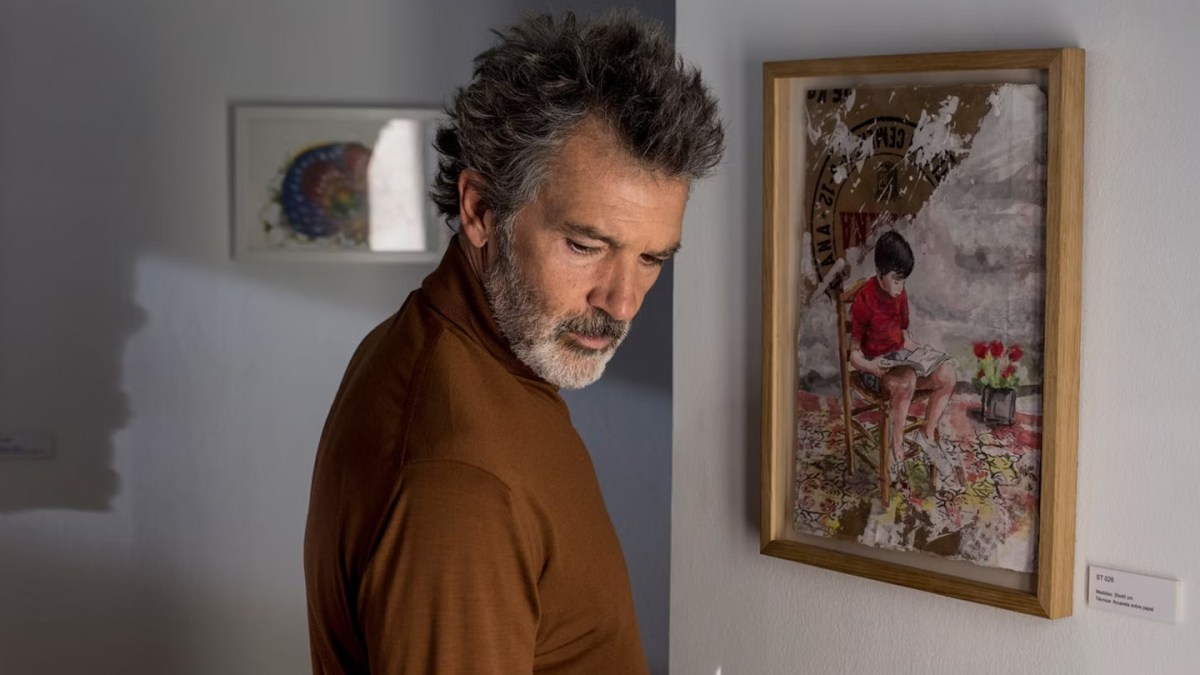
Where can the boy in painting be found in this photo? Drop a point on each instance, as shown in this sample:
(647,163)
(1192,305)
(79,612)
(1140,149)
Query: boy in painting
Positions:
(879,333)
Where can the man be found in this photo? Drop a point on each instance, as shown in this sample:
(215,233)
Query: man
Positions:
(456,524)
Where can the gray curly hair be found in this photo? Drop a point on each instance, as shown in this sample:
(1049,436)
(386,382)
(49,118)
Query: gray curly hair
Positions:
(545,77)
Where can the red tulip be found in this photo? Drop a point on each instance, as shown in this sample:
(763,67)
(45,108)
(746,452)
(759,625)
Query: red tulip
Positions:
(996,348)
(1008,372)
(1015,353)
(981,349)
(981,374)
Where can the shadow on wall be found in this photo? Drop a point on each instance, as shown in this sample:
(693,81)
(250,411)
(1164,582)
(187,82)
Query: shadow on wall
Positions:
(73,616)
(625,420)
(98,615)
(752,308)
(66,204)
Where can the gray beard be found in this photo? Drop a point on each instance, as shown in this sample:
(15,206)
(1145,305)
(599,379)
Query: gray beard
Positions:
(536,336)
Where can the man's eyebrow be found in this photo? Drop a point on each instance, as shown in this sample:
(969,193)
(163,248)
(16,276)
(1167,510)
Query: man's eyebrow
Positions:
(667,253)
(591,232)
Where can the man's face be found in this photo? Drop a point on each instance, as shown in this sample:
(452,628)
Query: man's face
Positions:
(571,270)
(892,284)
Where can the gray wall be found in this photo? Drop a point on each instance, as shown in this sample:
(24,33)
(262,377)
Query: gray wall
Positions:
(186,392)
(735,611)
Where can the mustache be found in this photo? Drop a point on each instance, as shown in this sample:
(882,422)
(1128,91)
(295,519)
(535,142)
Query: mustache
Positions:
(596,324)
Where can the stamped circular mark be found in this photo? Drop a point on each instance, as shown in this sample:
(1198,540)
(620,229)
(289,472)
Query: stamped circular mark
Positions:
(853,196)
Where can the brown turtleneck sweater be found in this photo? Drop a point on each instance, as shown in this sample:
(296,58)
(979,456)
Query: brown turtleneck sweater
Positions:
(455,523)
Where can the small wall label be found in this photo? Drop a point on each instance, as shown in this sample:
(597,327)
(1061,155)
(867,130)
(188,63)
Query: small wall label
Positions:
(26,445)
(1133,594)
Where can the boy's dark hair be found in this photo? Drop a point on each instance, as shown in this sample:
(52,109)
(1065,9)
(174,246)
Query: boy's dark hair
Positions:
(893,254)
(531,90)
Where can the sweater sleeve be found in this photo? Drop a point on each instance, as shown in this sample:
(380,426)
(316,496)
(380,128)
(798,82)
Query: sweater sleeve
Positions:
(452,585)
(860,316)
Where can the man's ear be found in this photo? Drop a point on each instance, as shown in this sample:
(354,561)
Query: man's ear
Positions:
(476,215)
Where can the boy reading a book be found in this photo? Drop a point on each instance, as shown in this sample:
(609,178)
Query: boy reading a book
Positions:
(882,349)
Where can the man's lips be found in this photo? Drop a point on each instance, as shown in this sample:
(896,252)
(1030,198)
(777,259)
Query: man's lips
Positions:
(596,342)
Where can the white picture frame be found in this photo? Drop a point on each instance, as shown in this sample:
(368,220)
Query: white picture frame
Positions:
(334,183)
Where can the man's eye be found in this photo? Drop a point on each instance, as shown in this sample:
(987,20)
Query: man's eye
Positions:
(576,247)
(652,261)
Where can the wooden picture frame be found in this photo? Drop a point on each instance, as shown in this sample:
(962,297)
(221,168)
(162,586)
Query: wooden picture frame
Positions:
(807,397)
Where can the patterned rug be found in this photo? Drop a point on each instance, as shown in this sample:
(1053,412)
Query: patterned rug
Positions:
(988,518)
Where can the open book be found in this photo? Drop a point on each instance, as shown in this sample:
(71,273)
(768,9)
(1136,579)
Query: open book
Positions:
(924,360)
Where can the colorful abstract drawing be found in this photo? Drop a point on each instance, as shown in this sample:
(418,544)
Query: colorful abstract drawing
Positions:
(323,194)
(334,183)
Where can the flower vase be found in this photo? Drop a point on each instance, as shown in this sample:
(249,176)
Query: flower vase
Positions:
(999,404)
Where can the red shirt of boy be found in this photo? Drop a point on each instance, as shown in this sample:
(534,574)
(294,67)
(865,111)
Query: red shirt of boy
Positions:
(878,320)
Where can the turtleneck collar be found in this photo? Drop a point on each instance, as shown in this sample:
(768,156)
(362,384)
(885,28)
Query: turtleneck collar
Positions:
(456,292)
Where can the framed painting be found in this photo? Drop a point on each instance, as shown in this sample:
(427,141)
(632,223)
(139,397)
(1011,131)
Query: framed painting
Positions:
(334,183)
(921,288)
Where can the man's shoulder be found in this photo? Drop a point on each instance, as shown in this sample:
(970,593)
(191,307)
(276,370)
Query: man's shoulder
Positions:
(463,405)
(470,409)
(412,349)
(420,389)
(383,366)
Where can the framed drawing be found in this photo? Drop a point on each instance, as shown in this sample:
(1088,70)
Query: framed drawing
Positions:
(334,183)
(921,296)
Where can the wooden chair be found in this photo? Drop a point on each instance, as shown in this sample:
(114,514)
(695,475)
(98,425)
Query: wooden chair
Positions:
(858,400)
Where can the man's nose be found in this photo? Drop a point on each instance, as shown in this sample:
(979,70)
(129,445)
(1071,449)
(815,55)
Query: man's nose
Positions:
(618,293)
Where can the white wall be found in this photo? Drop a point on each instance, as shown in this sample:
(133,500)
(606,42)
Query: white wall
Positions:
(186,391)
(740,613)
